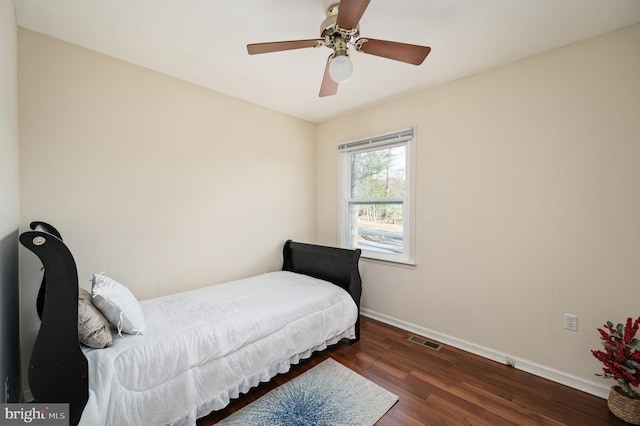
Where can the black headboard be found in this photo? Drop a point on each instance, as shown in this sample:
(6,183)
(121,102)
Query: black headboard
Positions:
(43,226)
(58,370)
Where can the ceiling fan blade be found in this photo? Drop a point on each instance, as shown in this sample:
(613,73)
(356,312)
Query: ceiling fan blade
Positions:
(403,52)
(350,12)
(276,46)
(328,87)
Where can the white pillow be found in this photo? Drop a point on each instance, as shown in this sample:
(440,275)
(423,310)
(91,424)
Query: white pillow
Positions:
(117,304)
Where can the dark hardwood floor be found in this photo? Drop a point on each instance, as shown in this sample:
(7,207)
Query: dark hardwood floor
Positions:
(446,387)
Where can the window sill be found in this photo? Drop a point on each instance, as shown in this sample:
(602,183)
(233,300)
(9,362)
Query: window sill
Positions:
(395,263)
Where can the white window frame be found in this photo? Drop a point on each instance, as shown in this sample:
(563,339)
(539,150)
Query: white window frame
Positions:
(404,137)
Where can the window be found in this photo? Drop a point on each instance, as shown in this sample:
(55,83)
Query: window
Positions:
(376,196)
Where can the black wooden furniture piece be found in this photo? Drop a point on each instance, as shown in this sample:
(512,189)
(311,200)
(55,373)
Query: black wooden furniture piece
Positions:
(336,265)
(58,369)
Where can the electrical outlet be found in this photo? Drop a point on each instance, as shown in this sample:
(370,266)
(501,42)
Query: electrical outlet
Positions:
(571,322)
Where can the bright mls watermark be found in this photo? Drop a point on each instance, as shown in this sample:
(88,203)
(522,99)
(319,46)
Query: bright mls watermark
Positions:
(34,414)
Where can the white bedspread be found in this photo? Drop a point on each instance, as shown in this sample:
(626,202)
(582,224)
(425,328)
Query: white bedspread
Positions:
(205,346)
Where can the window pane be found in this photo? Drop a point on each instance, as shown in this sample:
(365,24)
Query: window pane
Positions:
(379,173)
(376,227)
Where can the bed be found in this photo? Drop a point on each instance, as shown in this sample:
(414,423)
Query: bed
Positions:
(200,348)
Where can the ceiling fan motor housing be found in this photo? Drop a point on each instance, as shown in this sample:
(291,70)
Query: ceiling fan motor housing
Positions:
(335,37)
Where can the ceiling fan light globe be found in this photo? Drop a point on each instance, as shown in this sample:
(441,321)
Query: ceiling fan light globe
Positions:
(340,68)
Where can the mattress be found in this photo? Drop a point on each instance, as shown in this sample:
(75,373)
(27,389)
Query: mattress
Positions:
(206,346)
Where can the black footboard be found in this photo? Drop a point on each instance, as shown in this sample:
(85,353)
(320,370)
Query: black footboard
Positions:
(336,265)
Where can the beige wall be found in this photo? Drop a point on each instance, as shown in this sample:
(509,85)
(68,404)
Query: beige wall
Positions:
(165,185)
(528,205)
(9,187)
(9,206)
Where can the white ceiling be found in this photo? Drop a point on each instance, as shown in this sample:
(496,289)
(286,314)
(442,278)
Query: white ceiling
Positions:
(203,41)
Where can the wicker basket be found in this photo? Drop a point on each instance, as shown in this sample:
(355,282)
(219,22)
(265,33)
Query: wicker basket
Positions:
(623,407)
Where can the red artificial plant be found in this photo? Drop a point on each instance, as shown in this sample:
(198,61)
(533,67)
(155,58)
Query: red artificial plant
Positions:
(621,355)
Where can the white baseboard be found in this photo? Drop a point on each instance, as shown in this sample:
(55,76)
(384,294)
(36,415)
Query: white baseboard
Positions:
(521,364)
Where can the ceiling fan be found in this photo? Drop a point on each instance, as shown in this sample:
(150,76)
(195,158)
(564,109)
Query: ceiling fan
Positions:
(339,31)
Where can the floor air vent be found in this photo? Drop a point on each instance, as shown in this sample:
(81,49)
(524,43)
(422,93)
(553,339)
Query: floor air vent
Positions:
(424,342)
